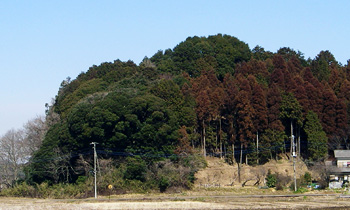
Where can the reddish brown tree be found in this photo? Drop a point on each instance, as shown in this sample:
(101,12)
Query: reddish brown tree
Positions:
(313,96)
(335,80)
(245,86)
(328,114)
(258,102)
(253,67)
(341,118)
(308,77)
(201,91)
(289,82)
(344,91)
(202,109)
(301,95)
(274,99)
(294,66)
(279,62)
(245,127)
(244,68)
(259,68)
(231,91)
(184,147)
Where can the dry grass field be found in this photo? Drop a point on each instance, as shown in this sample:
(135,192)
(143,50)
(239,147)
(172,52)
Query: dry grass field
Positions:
(181,202)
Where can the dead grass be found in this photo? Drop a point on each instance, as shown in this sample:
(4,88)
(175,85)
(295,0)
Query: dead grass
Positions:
(185,203)
(219,174)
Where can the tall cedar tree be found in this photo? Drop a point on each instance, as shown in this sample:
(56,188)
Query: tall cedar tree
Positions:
(328,115)
(280,69)
(258,102)
(231,91)
(316,137)
(341,118)
(314,96)
(274,100)
(245,113)
(209,99)
(344,92)
(291,112)
(300,94)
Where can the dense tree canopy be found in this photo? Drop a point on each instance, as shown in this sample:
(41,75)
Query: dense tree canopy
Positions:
(211,93)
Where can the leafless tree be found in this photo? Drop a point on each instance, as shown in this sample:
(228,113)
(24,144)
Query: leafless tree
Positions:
(13,155)
(51,116)
(83,165)
(34,133)
(59,166)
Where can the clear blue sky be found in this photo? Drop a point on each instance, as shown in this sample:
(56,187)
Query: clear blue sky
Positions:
(42,41)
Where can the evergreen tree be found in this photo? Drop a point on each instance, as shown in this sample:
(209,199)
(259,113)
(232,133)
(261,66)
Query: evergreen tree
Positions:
(316,137)
(291,112)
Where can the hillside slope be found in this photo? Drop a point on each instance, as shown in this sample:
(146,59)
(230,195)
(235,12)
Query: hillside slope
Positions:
(220,174)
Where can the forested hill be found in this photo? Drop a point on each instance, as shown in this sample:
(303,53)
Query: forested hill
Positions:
(210,94)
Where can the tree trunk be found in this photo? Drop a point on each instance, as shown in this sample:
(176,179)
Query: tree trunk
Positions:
(239,172)
(233,153)
(257,147)
(241,156)
(220,138)
(299,142)
(291,137)
(216,139)
(204,150)
(275,148)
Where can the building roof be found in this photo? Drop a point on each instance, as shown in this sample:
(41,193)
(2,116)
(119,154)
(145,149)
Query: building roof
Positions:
(342,153)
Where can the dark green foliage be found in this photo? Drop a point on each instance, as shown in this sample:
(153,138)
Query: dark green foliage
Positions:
(307,178)
(163,184)
(220,51)
(291,109)
(271,179)
(135,169)
(317,139)
(259,53)
(320,66)
(288,54)
(271,144)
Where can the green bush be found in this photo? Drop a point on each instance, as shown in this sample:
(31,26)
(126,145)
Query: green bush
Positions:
(307,179)
(20,190)
(301,190)
(271,179)
(135,169)
(163,184)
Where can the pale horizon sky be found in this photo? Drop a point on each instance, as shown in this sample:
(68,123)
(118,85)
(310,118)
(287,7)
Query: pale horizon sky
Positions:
(43,42)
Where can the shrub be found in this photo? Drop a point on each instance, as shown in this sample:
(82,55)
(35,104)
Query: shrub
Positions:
(301,190)
(163,184)
(20,190)
(176,174)
(135,169)
(307,179)
(282,181)
(271,179)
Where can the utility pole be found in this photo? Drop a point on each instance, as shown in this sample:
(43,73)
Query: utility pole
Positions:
(294,157)
(95,172)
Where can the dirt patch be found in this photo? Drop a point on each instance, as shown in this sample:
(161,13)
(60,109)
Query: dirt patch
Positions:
(220,174)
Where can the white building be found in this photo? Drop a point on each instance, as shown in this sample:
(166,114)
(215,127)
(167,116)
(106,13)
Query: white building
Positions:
(340,170)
